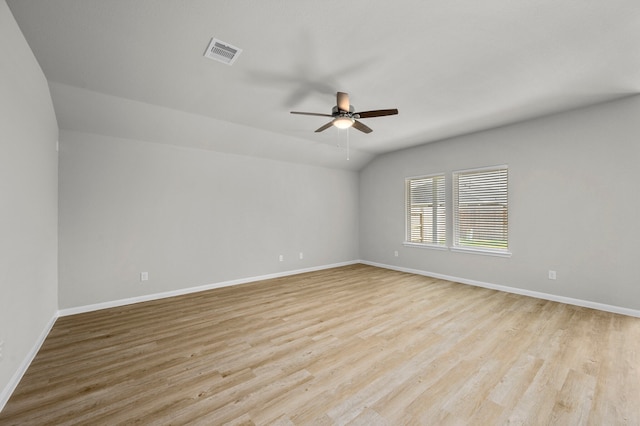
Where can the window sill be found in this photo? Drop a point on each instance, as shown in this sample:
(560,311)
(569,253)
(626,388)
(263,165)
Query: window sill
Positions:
(482,251)
(425,246)
(487,252)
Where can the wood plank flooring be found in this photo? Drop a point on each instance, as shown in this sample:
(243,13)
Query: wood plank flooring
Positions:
(353,345)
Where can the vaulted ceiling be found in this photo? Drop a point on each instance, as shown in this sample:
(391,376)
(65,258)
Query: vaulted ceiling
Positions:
(135,69)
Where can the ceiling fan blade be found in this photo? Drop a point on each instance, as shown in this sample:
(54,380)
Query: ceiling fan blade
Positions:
(325,127)
(358,125)
(312,113)
(377,113)
(342,100)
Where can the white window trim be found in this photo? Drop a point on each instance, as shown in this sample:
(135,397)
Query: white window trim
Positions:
(484,251)
(481,169)
(425,245)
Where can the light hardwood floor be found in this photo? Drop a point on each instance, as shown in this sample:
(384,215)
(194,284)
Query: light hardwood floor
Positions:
(352,345)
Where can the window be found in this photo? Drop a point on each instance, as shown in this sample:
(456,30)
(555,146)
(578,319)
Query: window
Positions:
(426,210)
(480,209)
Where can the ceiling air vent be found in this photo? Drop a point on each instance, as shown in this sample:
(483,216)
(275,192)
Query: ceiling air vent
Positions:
(224,52)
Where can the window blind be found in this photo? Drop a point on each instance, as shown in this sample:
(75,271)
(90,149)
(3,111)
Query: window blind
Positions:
(480,209)
(425,207)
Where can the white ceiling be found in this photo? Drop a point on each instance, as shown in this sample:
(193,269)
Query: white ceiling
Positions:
(135,69)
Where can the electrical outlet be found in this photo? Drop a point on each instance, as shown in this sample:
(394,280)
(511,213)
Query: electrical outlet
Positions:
(552,275)
(301,255)
(144,276)
(281,258)
(395,253)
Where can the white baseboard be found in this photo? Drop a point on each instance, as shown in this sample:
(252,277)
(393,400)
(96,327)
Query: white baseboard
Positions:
(514,290)
(17,376)
(182,291)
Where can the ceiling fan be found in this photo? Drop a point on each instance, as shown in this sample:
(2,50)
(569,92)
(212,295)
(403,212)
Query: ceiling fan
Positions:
(344,115)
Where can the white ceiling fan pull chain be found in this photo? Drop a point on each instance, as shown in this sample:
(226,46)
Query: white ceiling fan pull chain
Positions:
(347,144)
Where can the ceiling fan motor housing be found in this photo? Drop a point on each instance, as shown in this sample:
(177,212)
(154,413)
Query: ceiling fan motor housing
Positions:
(335,111)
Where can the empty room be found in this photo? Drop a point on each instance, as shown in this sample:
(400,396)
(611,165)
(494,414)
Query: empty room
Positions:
(331,213)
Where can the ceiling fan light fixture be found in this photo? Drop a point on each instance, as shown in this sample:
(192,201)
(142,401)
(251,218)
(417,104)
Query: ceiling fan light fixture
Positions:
(343,122)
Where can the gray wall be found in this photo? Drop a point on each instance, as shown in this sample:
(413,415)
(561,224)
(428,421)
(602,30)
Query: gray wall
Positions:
(28,202)
(191,217)
(574,204)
